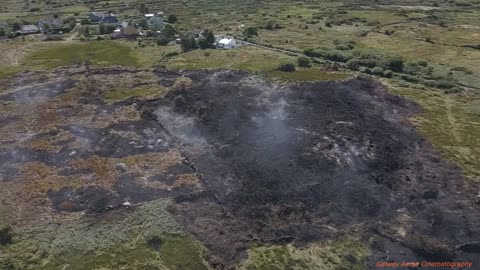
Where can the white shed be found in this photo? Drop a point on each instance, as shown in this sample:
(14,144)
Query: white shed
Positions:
(227,43)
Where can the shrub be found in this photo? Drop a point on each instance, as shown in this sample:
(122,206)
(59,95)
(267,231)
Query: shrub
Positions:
(378,71)
(163,40)
(365,70)
(288,67)
(344,47)
(170,54)
(154,242)
(303,61)
(270,25)
(172,18)
(395,64)
(5,235)
(388,74)
(250,32)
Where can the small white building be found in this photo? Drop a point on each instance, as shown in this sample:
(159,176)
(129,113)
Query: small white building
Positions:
(227,43)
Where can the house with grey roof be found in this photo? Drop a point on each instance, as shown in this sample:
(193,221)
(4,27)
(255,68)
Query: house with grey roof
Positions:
(100,17)
(51,25)
(29,29)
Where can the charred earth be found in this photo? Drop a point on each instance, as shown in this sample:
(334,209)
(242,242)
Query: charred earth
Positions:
(247,162)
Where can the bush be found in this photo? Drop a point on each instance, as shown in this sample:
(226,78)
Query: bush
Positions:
(388,74)
(163,40)
(378,71)
(344,47)
(365,70)
(303,61)
(250,32)
(5,235)
(288,67)
(172,18)
(171,54)
(395,64)
(155,242)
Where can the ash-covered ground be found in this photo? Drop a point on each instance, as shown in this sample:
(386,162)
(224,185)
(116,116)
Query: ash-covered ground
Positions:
(248,162)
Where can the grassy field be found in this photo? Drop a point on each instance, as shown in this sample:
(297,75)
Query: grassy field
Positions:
(245,58)
(98,52)
(451,123)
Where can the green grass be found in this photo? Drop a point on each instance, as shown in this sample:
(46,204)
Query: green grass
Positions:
(111,241)
(95,52)
(451,123)
(6,71)
(346,253)
(244,58)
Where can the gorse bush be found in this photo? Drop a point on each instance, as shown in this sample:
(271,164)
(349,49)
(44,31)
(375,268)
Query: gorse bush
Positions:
(288,67)
(303,61)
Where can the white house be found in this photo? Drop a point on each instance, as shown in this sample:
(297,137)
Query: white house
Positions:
(227,43)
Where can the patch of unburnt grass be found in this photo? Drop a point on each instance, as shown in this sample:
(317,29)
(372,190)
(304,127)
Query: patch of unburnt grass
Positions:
(118,239)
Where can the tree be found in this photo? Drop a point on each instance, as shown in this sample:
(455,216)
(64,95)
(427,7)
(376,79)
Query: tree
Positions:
(101,29)
(250,32)
(143,8)
(210,36)
(303,61)
(143,23)
(2,32)
(172,18)
(188,42)
(288,67)
(203,43)
(16,26)
(169,31)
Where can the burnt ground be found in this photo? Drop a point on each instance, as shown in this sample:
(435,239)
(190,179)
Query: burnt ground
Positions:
(248,162)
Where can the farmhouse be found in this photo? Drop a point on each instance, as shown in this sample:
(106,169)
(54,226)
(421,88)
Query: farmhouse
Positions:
(51,25)
(99,17)
(29,29)
(126,30)
(226,42)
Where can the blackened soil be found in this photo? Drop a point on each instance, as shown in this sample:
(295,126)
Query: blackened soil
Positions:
(279,164)
(253,163)
(37,93)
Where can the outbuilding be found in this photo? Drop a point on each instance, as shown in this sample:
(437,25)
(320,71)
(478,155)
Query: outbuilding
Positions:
(226,43)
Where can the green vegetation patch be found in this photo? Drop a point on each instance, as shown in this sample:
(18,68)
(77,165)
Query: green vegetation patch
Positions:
(95,52)
(8,70)
(451,123)
(309,75)
(115,240)
(345,253)
(245,58)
